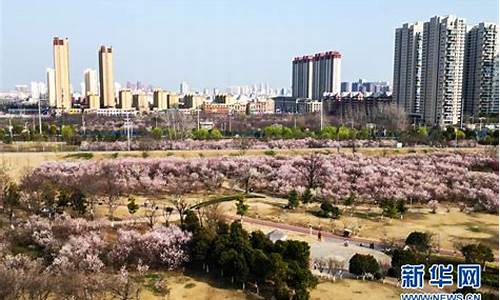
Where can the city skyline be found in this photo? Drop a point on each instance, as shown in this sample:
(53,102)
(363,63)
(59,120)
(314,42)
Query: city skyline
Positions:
(184,53)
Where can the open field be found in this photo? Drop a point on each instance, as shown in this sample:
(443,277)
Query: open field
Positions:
(18,162)
(448,227)
(354,290)
(185,287)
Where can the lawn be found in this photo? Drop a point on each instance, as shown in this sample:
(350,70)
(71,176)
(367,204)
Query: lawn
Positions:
(448,227)
(354,290)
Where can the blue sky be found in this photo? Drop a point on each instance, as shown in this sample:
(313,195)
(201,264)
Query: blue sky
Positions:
(212,43)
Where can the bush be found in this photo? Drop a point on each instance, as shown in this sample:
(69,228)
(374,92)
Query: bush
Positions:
(270,152)
(361,265)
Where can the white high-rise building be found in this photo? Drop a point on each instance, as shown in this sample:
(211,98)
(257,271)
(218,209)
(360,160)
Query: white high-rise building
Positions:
(442,70)
(315,75)
(481,49)
(408,68)
(90,77)
(184,88)
(51,87)
(37,89)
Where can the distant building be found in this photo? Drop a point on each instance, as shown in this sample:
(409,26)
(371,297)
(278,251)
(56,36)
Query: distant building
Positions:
(90,81)
(192,101)
(345,87)
(125,99)
(160,99)
(93,101)
(106,82)
(442,70)
(51,87)
(184,88)
(408,68)
(140,102)
(224,98)
(481,52)
(314,75)
(63,95)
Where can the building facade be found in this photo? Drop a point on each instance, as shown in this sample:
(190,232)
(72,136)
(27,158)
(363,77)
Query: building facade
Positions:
(442,70)
(90,81)
(51,87)
(125,99)
(61,73)
(408,68)
(160,99)
(106,83)
(481,49)
(315,75)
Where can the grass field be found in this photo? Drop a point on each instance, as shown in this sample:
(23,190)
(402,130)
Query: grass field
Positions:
(448,228)
(185,287)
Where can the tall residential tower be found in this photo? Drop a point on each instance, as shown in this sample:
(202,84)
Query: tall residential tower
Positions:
(106,83)
(479,89)
(408,68)
(61,73)
(442,70)
(314,75)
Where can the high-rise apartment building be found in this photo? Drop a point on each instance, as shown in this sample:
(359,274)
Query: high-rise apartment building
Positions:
(90,80)
(106,83)
(442,70)
(184,88)
(481,48)
(302,76)
(125,99)
(51,87)
(408,67)
(160,99)
(140,101)
(314,75)
(61,73)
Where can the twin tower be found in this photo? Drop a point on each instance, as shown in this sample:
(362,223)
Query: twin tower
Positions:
(58,82)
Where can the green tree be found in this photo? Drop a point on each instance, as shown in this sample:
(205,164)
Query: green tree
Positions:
(132,206)
(343,133)
(402,257)
(307,196)
(423,132)
(241,207)
(157,133)
(419,241)
(477,254)
(201,134)
(293,199)
(329,132)
(362,265)
(67,133)
(215,134)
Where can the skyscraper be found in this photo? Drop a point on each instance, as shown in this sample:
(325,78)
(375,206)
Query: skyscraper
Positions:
(326,74)
(184,88)
(106,83)
(442,70)
(51,87)
(90,77)
(408,67)
(61,75)
(314,75)
(481,48)
(302,75)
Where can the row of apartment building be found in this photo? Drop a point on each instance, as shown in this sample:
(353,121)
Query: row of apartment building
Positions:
(445,71)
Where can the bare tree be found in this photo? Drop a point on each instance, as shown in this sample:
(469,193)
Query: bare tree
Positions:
(311,168)
(181,206)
